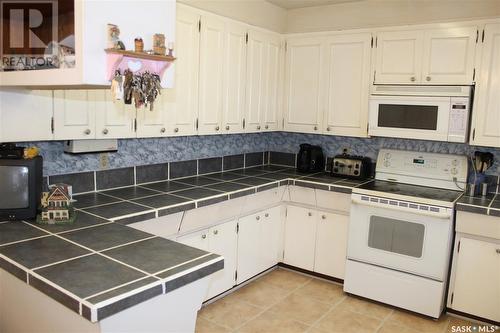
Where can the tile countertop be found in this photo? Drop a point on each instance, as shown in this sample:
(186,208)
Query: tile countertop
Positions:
(488,205)
(96,265)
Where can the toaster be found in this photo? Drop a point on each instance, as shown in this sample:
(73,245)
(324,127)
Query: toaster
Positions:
(351,166)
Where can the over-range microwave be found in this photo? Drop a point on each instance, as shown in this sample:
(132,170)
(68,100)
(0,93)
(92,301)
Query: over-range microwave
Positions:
(439,113)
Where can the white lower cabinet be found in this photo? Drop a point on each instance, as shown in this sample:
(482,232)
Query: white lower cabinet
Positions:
(259,245)
(316,240)
(476,288)
(331,244)
(221,239)
(300,237)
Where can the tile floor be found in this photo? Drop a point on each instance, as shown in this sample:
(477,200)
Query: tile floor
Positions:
(288,302)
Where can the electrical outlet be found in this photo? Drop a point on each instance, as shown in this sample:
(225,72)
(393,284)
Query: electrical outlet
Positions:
(345,150)
(104,160)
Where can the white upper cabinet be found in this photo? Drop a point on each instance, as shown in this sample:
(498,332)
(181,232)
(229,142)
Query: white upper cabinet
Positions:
(348,67)
(74,115)
(430,56)
(449,55)
(82,25)
(25,115)
(486,112)
(398,57)
(114,119)
(273,78)
(211,75)
(233,109)
(154,122)
(182,115)
(304,85)
(256,85)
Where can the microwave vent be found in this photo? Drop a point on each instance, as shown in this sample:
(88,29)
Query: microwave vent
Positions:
(402,90)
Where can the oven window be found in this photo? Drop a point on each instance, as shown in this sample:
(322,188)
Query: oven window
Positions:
(408,116)
(396,236)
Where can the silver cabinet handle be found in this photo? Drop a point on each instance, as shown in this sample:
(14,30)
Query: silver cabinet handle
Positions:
(105,131)
(315,128)
(163,130)
(203,236)
(87,131)
(217,128)
(328,129)
(216,232)
(258,127)
(323,217)
(428,78)
(227,127)
(310,214)
(266,215)
(176,129)
(412,79)
(257,217)
(267,126)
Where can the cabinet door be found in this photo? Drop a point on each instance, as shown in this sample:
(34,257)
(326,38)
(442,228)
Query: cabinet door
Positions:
(271,229)
(331,244)
(182,117)
(233,110)
(198,240)
(154,122)
(477,282)
(114,119)
(449,55)
(398,57)
(300,237)
(248,247)
(211,75)
(348,84)
(256,85)
(30,110)
(223,240)
(74,115)
(303,109)
(486,111)
(273,71)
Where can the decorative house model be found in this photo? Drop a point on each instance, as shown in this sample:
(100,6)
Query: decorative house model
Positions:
(56,206)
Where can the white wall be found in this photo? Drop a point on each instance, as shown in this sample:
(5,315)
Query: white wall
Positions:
(255,12)
(376,13)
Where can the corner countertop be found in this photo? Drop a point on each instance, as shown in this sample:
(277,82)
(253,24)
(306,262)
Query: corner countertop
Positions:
(487,205)
(96,266)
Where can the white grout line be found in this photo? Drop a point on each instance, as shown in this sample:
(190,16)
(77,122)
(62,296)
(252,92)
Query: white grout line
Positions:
(24,240)
(62,261)
(120,286)
(184,263)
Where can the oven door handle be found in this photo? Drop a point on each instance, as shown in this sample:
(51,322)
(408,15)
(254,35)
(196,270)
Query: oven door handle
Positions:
(440,215)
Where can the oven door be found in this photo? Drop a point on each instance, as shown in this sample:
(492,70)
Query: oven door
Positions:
(412,117)
(404,239)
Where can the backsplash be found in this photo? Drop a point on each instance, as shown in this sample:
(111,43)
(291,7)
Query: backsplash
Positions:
(133,152)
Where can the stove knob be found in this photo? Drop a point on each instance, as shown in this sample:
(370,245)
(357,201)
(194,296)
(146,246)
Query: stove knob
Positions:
(454,162)
(387,155)
(454,171)
(387,163)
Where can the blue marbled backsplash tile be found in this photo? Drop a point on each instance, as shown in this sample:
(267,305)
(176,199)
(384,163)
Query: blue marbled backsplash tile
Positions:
(133,152)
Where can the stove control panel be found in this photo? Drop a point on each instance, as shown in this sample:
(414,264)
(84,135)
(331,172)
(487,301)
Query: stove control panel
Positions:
(419,168)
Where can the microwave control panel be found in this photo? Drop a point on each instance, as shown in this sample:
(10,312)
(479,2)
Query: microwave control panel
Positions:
(458,120)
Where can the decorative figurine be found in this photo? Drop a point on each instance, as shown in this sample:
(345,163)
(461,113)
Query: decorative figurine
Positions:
(56,206)
(114,41)
(159,44)
(171,49)
(139,45)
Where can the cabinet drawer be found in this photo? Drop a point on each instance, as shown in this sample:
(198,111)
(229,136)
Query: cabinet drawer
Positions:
(477,224)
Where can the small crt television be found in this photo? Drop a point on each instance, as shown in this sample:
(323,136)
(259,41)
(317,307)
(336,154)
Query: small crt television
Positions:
(20,188)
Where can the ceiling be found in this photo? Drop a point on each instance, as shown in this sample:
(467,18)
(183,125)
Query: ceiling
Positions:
(293,4)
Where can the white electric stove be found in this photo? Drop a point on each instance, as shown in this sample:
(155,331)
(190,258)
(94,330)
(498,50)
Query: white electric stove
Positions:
(401,229)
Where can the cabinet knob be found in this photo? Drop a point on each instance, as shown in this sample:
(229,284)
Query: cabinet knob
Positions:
(227,127)
(315,128)
(498,251)
(323,217)
(267,126)
(258,127)
(87,131)
(176,129)
(266,215)
(217,128)
(328,129)
(412,79)
(203,236)
(163,130)
(310,214)
(428,78)
(216,232)
(105,131)
(257,217)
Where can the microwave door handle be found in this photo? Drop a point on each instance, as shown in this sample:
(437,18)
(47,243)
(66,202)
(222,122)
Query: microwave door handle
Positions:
(445,216)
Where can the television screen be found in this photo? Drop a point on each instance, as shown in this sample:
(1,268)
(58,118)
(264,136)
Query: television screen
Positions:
(14,188)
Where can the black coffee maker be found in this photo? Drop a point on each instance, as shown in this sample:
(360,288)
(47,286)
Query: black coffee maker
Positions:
(310,158)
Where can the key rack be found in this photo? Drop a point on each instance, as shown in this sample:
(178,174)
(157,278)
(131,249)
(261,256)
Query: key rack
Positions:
(136,62)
